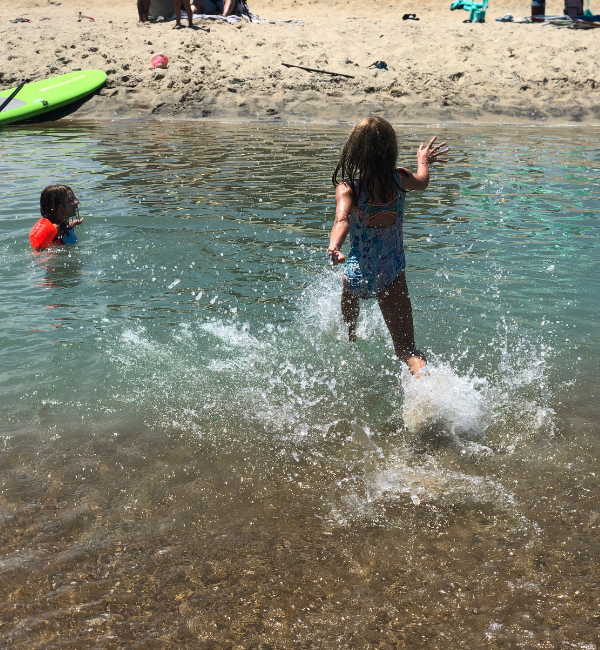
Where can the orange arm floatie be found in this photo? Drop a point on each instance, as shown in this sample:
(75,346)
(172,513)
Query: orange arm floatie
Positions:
(43,234)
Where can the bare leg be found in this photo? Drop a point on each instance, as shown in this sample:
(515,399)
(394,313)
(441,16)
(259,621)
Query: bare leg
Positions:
(188,9)
(143,6)
(228,7)
(177,4)
(396,309)
(350,311)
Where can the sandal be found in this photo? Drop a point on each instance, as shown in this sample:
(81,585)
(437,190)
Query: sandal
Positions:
(380,65)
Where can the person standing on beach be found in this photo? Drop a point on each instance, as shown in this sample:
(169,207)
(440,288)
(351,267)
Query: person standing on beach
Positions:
(370,196)
(188,9)
(143,7)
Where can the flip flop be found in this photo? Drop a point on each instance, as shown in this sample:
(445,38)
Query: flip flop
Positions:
(380,65)
(410,17)
(21,20)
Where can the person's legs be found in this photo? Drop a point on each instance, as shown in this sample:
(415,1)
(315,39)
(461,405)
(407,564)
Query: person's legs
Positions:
(143,7)
(177,4)
(228,7)
(396,309)
(188,9)
(350,311)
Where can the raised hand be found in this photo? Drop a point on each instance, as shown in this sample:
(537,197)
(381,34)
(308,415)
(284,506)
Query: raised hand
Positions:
(428,155)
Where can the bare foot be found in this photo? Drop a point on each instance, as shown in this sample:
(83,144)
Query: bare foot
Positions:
(177,26)
(417,367)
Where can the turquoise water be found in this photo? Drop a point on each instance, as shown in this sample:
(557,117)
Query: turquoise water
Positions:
(180,382)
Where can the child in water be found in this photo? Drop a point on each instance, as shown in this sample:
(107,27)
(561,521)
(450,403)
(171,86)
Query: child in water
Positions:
(370,194)
(58,204)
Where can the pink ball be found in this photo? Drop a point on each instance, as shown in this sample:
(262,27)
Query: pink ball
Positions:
(160,61)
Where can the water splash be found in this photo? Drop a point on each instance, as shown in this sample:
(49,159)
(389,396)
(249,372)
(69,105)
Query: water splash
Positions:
(293,379)
(444,405)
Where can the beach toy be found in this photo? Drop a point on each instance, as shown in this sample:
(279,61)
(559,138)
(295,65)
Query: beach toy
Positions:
(42,234)
(69,237)
(476,10)
(160,61)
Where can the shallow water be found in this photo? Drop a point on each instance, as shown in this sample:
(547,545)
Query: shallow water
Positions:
(193,454)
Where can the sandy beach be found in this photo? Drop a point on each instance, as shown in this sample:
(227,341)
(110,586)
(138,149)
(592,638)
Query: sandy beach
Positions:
(439,69)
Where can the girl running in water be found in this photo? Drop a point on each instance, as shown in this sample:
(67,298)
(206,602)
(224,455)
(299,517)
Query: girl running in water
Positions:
(370,193)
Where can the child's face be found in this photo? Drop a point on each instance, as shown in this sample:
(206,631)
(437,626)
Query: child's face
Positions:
(68,209)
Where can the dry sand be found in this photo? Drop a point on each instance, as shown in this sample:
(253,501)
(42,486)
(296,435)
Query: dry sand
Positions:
(439,68)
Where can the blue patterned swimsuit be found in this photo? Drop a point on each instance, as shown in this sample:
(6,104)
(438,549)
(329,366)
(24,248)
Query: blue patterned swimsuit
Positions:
(376,254)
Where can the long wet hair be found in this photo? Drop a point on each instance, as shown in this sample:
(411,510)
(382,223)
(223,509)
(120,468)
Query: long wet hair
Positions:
(369,159)
(52,198)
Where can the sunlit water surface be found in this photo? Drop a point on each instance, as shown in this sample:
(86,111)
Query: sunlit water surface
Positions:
(192,454)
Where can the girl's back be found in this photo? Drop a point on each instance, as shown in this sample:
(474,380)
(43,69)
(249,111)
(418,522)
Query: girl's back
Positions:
(376,242)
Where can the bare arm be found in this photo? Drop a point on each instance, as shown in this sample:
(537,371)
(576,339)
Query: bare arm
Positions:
(426,155)
(344,202)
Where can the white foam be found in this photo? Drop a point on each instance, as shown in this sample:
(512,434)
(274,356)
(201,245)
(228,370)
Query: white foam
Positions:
(433,484)
(232,334)
(460,404)
(135,338)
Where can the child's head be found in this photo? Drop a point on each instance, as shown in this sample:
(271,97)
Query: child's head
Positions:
(369,157)
(58,203)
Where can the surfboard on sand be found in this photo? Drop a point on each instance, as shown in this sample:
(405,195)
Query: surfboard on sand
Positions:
(47,95)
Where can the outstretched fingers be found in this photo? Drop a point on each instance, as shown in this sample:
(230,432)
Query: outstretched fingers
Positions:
(432,151)
(438,151)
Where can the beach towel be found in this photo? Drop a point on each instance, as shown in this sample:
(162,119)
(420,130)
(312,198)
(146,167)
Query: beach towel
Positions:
(236,18)
(165,9)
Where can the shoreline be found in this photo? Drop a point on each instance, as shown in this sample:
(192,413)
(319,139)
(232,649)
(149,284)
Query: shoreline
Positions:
(116,112)
(128,121)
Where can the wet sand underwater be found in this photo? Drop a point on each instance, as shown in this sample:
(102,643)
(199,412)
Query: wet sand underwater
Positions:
(155,539)
(181,467)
